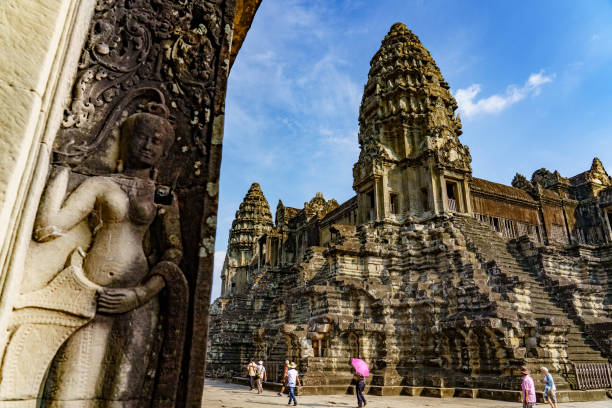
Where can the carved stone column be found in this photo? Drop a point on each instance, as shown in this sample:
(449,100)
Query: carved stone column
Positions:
(137,54)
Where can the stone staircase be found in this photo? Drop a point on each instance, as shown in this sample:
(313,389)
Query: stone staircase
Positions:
(602,273)
(492,246)
(232,330)
(312,264)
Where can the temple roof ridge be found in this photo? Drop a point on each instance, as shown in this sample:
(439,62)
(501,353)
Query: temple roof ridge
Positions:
(596,174)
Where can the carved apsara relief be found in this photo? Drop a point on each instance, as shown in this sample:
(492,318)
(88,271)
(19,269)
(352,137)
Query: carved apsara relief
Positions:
(103,306)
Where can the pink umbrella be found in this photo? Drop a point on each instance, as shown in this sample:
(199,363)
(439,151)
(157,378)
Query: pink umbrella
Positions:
(361,367)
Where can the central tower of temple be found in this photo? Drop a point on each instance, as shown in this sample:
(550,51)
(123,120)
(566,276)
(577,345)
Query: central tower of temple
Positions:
(411,160)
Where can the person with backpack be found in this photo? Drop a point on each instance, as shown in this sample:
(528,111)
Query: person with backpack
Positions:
(293,380)
(284,378)
(261,376)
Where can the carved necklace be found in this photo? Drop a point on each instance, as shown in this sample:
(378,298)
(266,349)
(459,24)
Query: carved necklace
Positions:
(142,210)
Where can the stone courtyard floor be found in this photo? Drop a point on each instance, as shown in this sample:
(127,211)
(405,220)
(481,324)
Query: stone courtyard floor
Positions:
(219,394)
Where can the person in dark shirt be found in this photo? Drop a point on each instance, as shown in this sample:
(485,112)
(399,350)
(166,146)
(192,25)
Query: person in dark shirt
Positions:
(360,384)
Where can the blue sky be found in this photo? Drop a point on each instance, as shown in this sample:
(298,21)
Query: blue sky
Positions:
(533,80)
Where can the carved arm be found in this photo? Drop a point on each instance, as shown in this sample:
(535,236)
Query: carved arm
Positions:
(173,250)
(54,218)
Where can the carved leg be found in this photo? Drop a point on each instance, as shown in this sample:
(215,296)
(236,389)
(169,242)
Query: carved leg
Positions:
(130,355)
(27,359)
(75,372)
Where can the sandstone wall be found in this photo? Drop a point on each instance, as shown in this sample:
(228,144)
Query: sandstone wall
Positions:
(42,42)
(554,222)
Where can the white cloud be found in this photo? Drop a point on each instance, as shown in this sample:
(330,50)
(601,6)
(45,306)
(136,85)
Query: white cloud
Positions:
(536,80)
(469,106)
(216,288)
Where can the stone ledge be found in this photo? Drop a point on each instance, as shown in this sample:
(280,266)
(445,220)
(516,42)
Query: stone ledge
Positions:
(19,404)
(493,394)
(466,392)
(578,396)
(383,390)
(303,390)
(500,395)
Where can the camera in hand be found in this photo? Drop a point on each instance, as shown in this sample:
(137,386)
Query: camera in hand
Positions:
(163,195)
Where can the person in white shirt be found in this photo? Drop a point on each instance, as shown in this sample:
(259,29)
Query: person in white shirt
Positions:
(550,390)
(261,376)
(292,380)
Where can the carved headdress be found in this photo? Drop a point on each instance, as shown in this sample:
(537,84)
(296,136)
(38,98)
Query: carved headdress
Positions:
(94,147)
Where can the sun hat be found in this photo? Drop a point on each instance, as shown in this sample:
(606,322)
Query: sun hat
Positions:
(524,370)
(292,365)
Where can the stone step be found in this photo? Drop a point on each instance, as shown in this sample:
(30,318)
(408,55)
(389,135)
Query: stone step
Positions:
(494,247)
(582,342)
(580,348)
(579,354)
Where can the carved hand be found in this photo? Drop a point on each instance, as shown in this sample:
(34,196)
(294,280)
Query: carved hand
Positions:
(120,300)
(44,234)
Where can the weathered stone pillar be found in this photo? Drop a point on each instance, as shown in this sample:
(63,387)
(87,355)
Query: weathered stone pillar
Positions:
(71,73)
(42,42)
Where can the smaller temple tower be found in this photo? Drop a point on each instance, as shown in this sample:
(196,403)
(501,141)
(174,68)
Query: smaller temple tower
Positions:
(411,160)
(253,219)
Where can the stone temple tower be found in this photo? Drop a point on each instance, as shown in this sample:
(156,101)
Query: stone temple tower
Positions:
(253,219)
(411,160)
(443,282)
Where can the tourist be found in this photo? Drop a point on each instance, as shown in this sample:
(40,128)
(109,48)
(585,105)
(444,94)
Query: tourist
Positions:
(293,379)
(359,387)
(284,378)
(528,389)
(550,389)
(261,376)
(252,371)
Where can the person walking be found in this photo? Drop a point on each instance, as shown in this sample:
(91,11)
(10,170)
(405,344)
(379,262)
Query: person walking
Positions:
(528,389)
(360,384)
(293,379)
(284,378)
(261,376)
(252,372)
(550,390)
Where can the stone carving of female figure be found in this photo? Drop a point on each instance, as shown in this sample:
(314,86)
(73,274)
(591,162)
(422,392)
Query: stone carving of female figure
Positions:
(110,358)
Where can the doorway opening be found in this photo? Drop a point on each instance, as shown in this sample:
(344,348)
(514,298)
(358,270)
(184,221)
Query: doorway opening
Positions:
(451,194)
(371,212)
(394,201)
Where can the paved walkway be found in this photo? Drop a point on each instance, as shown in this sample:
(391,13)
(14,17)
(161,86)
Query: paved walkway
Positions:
(218,394)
